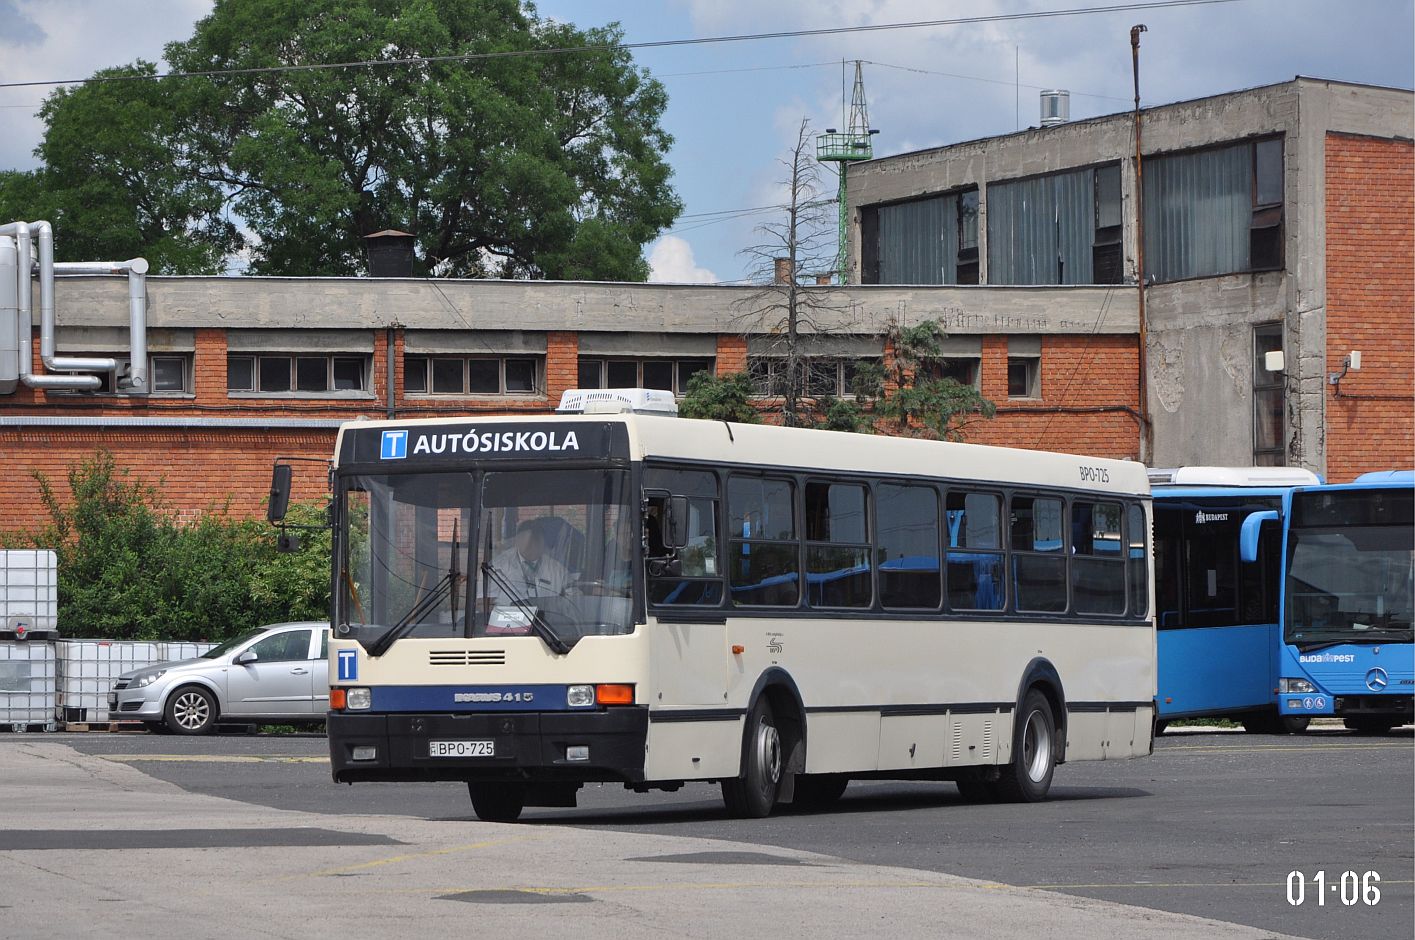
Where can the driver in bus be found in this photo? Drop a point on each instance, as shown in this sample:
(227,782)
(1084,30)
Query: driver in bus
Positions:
(527,568)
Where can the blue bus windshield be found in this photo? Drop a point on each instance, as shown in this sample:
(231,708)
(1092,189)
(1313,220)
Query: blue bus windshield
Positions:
(1349,571)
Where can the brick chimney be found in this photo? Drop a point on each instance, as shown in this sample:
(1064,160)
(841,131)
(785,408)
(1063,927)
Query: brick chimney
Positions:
(782,272)
(390,253)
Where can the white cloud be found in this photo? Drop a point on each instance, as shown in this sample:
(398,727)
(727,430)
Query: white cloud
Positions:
(671,262)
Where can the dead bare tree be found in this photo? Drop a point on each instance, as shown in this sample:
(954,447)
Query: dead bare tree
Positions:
(800,243)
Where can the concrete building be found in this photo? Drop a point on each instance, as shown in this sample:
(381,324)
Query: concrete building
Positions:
(1277,218)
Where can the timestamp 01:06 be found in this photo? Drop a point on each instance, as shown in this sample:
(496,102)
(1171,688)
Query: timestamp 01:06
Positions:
(1349,887)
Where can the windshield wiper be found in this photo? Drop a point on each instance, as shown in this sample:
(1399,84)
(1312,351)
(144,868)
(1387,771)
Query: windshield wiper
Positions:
(444,588)
(538,624)
(1356,638)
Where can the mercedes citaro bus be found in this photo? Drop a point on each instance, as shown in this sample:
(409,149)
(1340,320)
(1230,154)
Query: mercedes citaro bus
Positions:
(615,594)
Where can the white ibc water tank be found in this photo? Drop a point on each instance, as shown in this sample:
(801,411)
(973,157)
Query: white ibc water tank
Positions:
(29,594)
(1056,107)
(27,686)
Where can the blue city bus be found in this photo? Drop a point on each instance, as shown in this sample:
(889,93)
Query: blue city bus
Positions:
(1346,647)
(1276,594)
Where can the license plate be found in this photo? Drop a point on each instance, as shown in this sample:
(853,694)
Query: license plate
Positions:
(461,749)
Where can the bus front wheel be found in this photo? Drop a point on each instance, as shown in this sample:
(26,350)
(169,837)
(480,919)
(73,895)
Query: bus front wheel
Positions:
(1368,725)
(753,794)
(1028,777)
(497,802)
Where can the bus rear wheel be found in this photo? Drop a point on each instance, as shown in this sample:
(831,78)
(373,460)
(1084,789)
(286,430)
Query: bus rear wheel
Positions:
(1368,725)
(753,794)
(1273,723)
(497,802)
(1028,777)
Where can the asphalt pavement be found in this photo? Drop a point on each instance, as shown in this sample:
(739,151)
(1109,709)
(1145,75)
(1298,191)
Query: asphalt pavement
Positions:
(1211,826)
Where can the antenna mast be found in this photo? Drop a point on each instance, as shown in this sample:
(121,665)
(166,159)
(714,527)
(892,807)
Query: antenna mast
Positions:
(843,149)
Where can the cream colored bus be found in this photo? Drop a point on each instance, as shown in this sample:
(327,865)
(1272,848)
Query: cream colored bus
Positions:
(531,604)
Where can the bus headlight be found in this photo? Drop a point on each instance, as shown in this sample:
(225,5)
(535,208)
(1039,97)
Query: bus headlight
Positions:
(1295,685)
(579,696)
(357,699)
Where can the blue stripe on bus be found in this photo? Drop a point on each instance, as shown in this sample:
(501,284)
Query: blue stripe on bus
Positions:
(468,698)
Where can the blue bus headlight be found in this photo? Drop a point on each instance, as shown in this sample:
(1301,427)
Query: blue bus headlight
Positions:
(358,699)
(579,696)
(1295,685)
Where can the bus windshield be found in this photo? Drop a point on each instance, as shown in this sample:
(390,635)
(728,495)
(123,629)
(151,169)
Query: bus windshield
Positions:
(462,554)
(1349,574)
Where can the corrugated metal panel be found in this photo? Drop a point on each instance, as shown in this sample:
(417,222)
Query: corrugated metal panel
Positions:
(1198,207)
(918,241)
(1040,230)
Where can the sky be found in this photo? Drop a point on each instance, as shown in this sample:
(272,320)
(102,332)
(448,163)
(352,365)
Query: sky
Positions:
(735,108)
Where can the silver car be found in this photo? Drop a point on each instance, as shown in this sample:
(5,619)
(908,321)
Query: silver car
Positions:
(278,673)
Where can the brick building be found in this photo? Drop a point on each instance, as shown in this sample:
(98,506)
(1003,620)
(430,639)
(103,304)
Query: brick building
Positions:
(245,369)
(1276,218)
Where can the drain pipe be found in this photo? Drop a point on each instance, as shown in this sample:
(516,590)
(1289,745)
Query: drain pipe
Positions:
(23,244)
(136,270)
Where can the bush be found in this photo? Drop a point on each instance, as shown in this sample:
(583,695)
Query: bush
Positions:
(724,398)
(129,569)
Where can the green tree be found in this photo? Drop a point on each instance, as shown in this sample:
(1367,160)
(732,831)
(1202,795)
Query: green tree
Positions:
(523,165)
(911,397)
(719,398)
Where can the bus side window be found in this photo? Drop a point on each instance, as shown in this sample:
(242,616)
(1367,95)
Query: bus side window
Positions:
(1098,568)
(907,546)
(764,566)
(975,561)
(698,581)
(837,545)
(1169,529)
(1137,570)
(1038,554)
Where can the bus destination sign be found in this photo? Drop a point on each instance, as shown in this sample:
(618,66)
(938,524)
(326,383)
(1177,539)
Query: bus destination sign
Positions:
(459,443)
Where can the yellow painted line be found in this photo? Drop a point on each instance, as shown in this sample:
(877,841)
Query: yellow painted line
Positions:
(213,758)
(411,856)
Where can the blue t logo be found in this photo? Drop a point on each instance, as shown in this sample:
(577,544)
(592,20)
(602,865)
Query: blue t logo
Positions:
(395,445)
(348,665)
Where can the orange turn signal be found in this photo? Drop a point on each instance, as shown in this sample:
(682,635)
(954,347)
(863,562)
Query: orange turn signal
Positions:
(738,649)
(336,700)
(614,694)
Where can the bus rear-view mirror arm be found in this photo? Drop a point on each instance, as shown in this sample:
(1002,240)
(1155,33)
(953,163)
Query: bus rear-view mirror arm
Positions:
(1252,529)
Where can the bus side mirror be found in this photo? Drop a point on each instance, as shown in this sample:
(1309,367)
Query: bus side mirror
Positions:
(279,501)
(675,535)
(1252,528)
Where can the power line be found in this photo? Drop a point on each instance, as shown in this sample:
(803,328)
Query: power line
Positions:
(658,44)
(979,78)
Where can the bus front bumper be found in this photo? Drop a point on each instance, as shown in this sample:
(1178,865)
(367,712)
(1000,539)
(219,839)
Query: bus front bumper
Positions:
(528,746)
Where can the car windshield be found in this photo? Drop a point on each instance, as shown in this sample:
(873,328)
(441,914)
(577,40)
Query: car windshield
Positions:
(221,649)
(1351,582)
(546,549)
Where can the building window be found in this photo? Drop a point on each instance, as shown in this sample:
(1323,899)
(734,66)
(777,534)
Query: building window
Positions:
(669,375)
(933,240)
(299,374)
(167,374)
(1214,211)
(965,370)
(1269,400)
(824,376)
(1061,228)
(1023,377)
(471,375)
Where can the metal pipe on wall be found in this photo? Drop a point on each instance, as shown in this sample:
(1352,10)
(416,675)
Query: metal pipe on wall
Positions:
(136,270)
(24,243)
(9,316)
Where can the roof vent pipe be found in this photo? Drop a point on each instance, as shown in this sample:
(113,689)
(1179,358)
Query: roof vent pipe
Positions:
(9,316)
(1056,107)
(48,324)
(136,270)
(24,322)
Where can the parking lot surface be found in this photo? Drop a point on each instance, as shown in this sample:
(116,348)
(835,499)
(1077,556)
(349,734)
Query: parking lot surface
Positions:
(1210,827)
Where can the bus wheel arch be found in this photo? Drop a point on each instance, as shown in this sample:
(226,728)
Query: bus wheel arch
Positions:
(776,695)
(1041,675)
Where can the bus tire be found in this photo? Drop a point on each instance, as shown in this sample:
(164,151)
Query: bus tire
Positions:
(1368,725)
(1028,777)
(753,794)
(819,791)
(1274,723)
(497,802)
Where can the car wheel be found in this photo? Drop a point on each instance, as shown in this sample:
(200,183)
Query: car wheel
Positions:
(1028,777)
(497,802)
(191,710)
(753,794)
